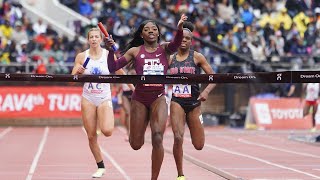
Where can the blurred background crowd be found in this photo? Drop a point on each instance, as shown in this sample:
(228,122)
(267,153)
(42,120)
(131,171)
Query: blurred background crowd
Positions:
(236,36)
(282,32)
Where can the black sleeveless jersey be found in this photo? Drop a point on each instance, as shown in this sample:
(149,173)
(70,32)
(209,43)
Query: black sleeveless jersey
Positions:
(186,66)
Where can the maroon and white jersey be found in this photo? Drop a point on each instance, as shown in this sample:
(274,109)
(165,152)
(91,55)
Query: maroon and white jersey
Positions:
(155,63)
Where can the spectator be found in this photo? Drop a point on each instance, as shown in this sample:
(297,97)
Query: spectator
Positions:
(39,27)
(257,51)
(267,18)
(301,21)
(226,13)
(41,68)
(85,8)
(316,51)
(19,34)
(279,40)
(244,49)
(6,29)
(283,17)
(121,30)
(246,14)
(271,51)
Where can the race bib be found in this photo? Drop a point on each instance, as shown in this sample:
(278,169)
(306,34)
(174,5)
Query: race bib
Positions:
(153,67)
(181,90)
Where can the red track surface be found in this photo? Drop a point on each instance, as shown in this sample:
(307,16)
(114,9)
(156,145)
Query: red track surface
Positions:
(62,153)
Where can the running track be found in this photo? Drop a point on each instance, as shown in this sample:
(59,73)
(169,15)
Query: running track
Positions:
(62,153)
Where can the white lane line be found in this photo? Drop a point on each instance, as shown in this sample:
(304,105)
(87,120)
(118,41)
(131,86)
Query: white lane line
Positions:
(109,157)
(259,159)
(278,149)
(6,131)
(37,156)
(115,164)
(209,167)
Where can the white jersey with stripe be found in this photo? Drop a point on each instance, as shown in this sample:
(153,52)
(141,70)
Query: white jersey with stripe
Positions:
(312,91)
(97,67)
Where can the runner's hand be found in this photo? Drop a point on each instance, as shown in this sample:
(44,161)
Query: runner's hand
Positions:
(203,96)
(181,21)
(109,42)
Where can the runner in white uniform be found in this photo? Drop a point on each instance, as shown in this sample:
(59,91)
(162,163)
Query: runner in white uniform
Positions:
(311,100)
(96,93)
(96,104)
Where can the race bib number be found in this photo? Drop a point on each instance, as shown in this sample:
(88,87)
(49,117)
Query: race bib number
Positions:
(95,88)
(153,67)
(181,90)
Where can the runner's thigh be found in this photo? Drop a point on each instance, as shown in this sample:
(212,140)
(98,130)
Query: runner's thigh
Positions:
(106,116)
(89,116)
(177,117)
(159,114)
(195,125)
(138,119)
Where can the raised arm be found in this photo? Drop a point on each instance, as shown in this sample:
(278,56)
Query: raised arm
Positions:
(173,46)
(120,62)
(202,62)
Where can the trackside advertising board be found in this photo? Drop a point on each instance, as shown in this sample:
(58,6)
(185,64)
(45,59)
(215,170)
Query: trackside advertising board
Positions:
(280,113)
(40,102)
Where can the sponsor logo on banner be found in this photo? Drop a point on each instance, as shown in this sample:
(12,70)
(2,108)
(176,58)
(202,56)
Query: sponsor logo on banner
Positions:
(143,78)
(309,76)
(40,102)
(210,77)
(263,113)
(177,77)
(279,76)
(280,113)
(244,76)
(47,76)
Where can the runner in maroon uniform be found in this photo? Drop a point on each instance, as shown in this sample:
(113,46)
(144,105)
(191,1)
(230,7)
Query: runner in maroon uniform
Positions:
(148,101)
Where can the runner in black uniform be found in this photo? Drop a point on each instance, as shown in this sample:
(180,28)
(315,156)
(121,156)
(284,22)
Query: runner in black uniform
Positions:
(180,93)
(186,99)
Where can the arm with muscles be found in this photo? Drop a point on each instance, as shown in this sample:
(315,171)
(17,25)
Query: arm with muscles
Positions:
(78,64)
(121,72)
(202,62)
(173,46)
(120,62)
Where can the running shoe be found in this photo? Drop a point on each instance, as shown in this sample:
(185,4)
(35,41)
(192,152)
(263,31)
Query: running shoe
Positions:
(314,129)
(181,178)
(99,173)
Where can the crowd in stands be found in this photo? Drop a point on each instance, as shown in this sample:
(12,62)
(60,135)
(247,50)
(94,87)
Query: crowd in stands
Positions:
(36,44)
(264,30)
